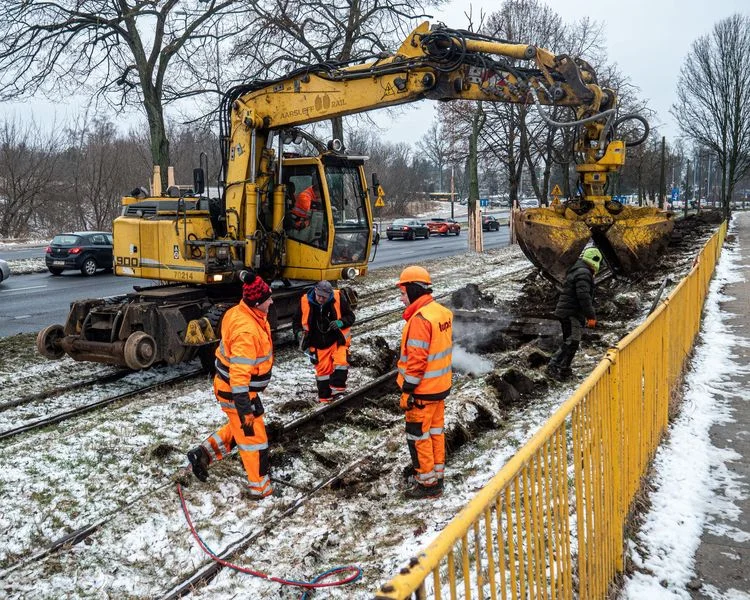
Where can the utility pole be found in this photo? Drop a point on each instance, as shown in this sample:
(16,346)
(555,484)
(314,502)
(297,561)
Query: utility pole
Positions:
(453,192)
(662,174)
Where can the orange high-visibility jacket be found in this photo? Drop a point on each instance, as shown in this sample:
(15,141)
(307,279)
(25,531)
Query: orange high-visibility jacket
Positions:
(424,367)
(302,211)
(305,320)
(244,358)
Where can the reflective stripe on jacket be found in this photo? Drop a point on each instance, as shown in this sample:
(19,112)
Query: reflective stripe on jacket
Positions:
(244,358)
(424,367)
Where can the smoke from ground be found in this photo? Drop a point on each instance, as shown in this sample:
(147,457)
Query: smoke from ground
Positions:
(469,363)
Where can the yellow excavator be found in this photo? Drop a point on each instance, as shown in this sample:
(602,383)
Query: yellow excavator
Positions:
(196,245)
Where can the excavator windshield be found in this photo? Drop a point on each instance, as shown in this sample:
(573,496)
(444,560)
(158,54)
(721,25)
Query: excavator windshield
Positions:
(350,222)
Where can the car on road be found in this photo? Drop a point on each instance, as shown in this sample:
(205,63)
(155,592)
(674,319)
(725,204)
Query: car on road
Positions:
(407,229)
(84,251)
(490,223)
(528,203)
(441,226)
(4,270)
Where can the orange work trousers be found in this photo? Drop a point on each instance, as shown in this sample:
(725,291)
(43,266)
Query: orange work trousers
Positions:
(253,449)
(331,370)
(426,440)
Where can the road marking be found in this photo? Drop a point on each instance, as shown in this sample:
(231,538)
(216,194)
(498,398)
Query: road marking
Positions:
(32,287)
(22,317)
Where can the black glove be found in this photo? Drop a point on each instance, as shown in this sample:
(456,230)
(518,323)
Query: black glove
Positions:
(246,422)
(258,409)
(337,324)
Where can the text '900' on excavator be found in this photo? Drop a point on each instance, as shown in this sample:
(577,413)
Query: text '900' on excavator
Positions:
(299,219)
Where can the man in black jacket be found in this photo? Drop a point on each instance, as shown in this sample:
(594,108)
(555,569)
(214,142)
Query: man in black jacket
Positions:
(575,308)
(322,324)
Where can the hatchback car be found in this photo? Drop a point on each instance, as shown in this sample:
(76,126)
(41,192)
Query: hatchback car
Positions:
(84,251)
(490,223)
(4,270)
(441,226)
(407,229)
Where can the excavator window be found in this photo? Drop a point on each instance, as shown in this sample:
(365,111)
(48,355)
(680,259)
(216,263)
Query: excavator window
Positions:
(305,219)
(350,223)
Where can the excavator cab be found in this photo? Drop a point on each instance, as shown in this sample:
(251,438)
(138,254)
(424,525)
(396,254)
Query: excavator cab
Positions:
(327,219)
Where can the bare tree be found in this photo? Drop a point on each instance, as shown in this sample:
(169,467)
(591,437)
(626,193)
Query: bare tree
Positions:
(131,53)
(288,34)
(28,162)
(713,99)
(434,146)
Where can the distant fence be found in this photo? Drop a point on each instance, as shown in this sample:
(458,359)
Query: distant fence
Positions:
(550,523)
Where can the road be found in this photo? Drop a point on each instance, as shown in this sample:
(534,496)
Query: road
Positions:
(29,303)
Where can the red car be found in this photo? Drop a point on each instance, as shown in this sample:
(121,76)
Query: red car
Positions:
(441,226)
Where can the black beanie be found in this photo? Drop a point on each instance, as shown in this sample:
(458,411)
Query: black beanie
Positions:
(415,290)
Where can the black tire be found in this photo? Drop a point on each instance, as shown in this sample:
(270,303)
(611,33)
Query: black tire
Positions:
(390,238)
(411,236)
(427,235)
(55,270)
(457,232)
(88,268)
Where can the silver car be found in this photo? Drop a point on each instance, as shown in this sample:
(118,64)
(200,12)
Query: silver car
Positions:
(4,270)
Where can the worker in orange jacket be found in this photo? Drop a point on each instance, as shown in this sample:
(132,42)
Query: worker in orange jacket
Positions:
(322,324)
(424,377)
(307,200)
(244,360)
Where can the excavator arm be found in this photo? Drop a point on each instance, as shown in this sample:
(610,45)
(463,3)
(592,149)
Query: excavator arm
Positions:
(438,63)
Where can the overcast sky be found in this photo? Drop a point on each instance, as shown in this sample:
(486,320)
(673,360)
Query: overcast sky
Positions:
(648,39)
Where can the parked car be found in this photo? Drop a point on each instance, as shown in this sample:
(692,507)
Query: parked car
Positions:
(4,270)
(407,229)
(528,203)
(84,251)
(490,223)
(441,226)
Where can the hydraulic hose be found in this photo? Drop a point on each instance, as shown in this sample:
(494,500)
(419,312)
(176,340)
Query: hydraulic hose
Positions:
(317,582)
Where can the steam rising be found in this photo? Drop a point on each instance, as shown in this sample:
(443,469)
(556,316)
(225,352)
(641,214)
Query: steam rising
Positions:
(469,363)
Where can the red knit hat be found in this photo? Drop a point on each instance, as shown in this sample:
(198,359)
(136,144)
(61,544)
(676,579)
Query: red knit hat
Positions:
(255,291)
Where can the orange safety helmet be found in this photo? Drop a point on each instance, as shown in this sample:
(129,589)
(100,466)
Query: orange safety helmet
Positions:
(414,274)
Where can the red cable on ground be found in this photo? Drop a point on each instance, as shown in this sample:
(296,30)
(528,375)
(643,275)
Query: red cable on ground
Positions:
(316,583)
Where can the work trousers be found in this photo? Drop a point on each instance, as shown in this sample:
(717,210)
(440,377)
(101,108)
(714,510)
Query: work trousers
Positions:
(571,332)
(331,370)
(253,449)
(426,440)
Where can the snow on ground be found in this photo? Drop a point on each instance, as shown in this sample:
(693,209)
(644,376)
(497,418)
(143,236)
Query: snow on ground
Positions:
(115,467)
(691,483)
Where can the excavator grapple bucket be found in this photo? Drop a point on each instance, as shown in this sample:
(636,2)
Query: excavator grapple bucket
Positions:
(637,238)
(552,239)
(630,238)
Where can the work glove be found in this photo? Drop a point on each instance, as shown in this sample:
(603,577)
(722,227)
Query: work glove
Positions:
(407,401)
(313,357)
(257,405)
(337,324)
(590,323)
(246,422)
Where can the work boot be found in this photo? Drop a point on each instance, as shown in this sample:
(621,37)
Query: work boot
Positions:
(253,496)
(199,461)
(324,400)
(420,492)
(553,371)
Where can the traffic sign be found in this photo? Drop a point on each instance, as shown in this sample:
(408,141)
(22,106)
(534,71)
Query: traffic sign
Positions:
(556,191)
(379,202)
(675,194)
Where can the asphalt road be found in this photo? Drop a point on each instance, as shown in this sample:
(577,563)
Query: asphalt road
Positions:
(29,303)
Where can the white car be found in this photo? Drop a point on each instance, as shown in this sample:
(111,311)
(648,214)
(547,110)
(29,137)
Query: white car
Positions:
(4,270)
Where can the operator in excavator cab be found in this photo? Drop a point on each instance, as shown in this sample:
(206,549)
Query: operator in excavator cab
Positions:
(305,202)
(575,308)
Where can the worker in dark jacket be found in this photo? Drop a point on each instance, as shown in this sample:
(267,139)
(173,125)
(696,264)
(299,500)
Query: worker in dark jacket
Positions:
(322,328)
(575,308)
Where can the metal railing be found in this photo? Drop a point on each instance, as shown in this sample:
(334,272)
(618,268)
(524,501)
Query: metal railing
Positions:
(550,524)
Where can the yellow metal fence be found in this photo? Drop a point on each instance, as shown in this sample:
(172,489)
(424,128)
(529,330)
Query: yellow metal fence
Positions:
(550,523)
